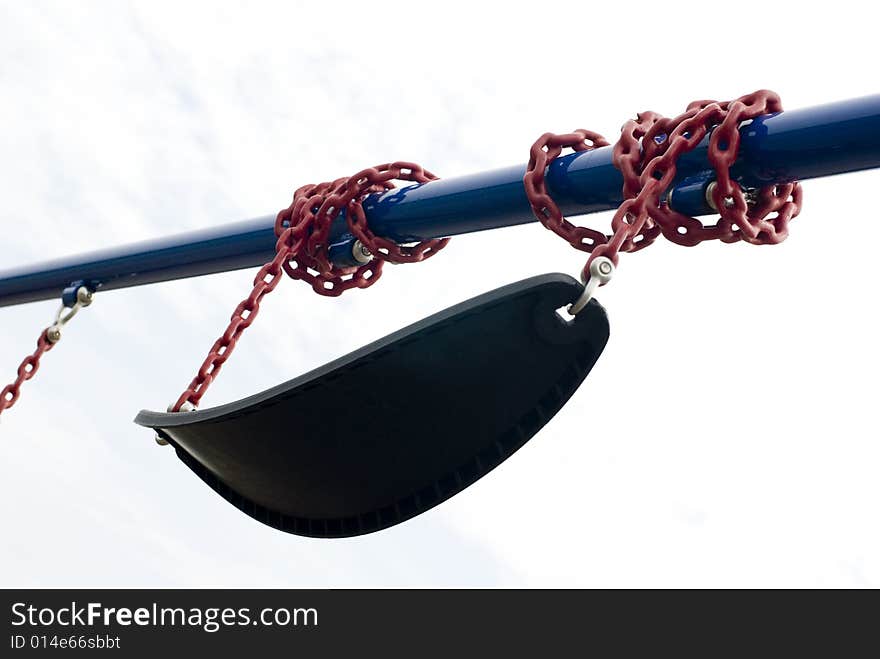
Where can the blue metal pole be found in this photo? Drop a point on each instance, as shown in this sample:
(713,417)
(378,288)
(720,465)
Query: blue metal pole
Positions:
(219,249)
(800,144)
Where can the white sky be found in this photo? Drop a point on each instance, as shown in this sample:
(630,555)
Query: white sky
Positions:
(727,436)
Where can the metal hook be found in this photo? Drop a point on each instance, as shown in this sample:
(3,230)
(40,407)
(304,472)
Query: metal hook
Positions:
(601,272)
(84,298)
(186,407)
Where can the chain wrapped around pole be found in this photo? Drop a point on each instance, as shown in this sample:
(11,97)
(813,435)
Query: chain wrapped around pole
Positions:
(301,251)
(646,155)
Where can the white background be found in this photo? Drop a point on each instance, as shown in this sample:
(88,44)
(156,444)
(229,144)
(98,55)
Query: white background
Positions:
(727,437)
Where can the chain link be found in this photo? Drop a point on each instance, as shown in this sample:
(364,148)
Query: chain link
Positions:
(47,340)
(28,368)
(646,155)
(301,251)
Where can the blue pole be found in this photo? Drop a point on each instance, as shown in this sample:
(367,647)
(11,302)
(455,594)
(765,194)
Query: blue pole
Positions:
(799,144)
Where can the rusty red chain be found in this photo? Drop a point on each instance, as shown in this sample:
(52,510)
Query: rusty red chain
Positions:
(646,155)
(301,251)
(26,370)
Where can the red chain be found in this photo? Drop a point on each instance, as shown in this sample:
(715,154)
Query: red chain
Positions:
(28,368)
(303,229)
(646,154)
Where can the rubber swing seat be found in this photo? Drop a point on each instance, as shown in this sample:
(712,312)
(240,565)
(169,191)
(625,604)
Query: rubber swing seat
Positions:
(402,424)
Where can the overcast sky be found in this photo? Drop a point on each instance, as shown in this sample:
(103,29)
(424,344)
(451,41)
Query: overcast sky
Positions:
(727,437)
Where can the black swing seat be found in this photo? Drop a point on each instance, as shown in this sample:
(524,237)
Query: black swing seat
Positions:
(400,425)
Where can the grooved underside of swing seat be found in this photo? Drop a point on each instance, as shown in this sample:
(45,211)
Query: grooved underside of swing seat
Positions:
(400,425)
